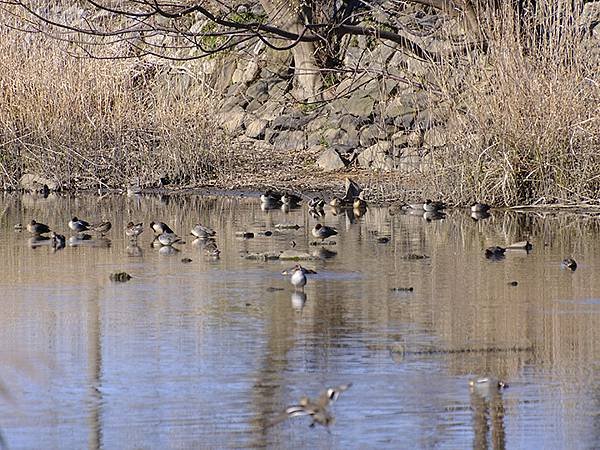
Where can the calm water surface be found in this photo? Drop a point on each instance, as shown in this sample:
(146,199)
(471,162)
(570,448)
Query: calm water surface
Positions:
(207,354)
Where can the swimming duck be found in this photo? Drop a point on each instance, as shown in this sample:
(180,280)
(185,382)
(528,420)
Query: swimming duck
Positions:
(167,239)
(431,206)
(337,202)
(202,232)
(316,203)
(78,225)
(480,207)
(359,203)
(415,206)
(486,387)
(317,409)
(58,241)
(521,245)
(323,231)
(134,229)
(101,228)
(270,197)
(37,228)
(290,199)
(569,263)
(494,252)
(298,273)
(160,228)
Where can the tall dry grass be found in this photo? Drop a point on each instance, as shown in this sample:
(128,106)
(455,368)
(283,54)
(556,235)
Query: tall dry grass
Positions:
(86,122)
(524,116)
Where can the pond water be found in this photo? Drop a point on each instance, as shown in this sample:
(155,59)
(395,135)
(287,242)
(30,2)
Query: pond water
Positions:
(208,354)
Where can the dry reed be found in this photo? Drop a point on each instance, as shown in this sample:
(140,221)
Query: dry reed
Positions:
(87,122)
(525,115)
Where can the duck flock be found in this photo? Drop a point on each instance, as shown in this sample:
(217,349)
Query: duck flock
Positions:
(165,237)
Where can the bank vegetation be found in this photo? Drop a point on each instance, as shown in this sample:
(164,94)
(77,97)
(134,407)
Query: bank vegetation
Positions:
(518,91)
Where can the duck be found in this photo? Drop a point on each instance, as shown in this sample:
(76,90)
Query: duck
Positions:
(160,228)
(36,228)
(270,197)
(167,239)
(290,199)
(202,232)
(58,241)
(317,409)
(359,203)
(569,263)
(431,206)
(487,386)
(298,273)
(316,203)
(521,245)
(323,231)
(480,207)
(101,228)
(494,252)
(133,230)
(78,225)
(337,202)
(415,206)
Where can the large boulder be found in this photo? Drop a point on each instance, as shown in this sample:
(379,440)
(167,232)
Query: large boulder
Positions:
(270,110)
(359,105)
(255,129)
(377,157)
(258,90)
(370,134)
(330,160)
(290,122)
(290,140)
(232,121)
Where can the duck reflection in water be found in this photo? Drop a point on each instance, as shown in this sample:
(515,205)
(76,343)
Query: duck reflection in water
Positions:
(298,300)
(488,413)
(480,215)
(208,246)
(168,250)
(82,239)
(39,241)
(134,250)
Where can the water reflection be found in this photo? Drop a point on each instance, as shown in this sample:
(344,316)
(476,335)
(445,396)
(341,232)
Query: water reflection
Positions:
(488,413)
(298,300)
(210,351)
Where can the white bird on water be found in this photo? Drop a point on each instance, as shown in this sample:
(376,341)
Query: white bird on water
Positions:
(298,273)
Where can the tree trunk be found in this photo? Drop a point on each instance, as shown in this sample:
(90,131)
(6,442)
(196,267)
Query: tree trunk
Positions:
(286,14)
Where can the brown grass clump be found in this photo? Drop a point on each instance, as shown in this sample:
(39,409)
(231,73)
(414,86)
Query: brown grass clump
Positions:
(525,116)
(89,123)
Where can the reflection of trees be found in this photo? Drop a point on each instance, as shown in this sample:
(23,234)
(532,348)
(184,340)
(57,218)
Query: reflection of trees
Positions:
(488,415)
(95,376)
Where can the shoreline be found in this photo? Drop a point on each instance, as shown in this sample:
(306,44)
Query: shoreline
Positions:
(255,190)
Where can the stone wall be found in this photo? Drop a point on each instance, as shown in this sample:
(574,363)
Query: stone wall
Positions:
(377,116)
